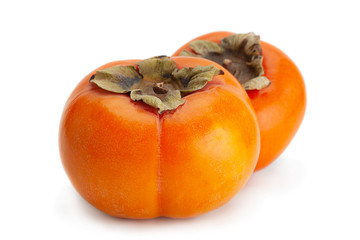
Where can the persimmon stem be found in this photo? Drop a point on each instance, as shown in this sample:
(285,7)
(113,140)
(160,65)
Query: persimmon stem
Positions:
(159,88)
(226,63)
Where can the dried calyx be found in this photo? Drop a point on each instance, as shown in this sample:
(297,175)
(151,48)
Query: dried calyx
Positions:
(156,81)
(240,54)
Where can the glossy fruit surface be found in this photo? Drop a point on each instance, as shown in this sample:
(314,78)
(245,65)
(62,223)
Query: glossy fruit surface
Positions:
(280,107)
(129,161)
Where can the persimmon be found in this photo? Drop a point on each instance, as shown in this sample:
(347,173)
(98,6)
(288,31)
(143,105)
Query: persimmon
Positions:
(173,137)
(273,83)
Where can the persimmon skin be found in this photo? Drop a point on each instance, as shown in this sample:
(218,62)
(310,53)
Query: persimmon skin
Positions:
(129,161)
(280,107)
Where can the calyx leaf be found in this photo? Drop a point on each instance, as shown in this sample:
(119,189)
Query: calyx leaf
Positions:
(118,79)
(192,79)
(204,47)
(239,53)
(157,82)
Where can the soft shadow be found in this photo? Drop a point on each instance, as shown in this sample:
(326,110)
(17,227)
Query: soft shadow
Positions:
(282,176)
(70,205)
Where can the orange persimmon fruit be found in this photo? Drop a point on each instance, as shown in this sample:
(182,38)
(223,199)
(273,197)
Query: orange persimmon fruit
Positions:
(273,83)
(173,137)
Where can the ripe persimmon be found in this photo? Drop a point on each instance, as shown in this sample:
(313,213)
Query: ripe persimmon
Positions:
(273,83)
(173,137)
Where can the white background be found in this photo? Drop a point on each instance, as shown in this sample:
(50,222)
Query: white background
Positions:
(311,192)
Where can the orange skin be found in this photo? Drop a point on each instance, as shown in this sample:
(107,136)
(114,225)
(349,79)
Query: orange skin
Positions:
(129,161)
(280,107)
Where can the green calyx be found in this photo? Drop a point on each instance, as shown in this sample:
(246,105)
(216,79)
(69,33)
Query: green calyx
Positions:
(156,81)
(240,54)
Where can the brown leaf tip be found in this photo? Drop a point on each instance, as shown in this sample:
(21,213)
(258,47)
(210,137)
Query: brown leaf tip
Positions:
(162,56)
(92,77)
